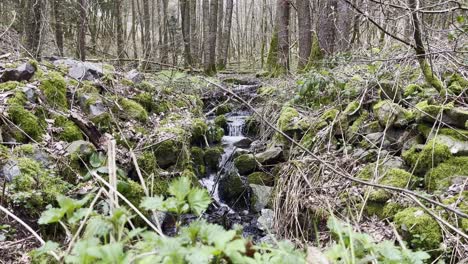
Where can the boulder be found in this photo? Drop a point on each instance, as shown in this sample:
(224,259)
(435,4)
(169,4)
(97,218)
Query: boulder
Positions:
(392,114)
(245,164)
(259,197)
(454,116)
(81,147)
(92,105)
(390,91)
(84,71)
(270,156)
(135,76)
(266,220)
(24,72)
(243,143)
(31,92)
(233,191)
(456,147)
(261,178)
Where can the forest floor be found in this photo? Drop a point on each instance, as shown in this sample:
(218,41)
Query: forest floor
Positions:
(369,144)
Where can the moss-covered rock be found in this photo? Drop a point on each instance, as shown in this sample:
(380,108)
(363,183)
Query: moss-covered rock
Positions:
(199,130)
(261,178)
(391,208)
(28,123)
(252,126)
(132,110)
(288,119)
(418,228)
(132,190)
(55,90)
(147,101)
(412,89)
(213,157)
(9,86)
(167,153)
(198,155)
(70,132)
(440,177)
(223,109)
(245,164)
(233,191)
(392,114)
(147,163)
(221,121)
(35,187)
(432,154)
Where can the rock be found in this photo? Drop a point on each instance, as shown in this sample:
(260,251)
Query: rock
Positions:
(394,162)
(92,105)
(266,220)
(84,71)
(459,116)
(80,147)
(243,143)
(31,92)
(270,156)
(456,147)
(233,191)
(454,116)
(392,114)
(238,152)
(390,91)
(245,164)
(376,140)
(213,157)
(257,146)
(11,170)
(24,72)
(261,178)
(135,76)
(259,197)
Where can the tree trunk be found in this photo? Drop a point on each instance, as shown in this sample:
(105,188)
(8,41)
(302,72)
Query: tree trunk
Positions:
(147,31)
(305,32)
(185,15)
(119,28)
(219,33)
(209,34)
(283,34)
(33,24)
(226,37)
(193,32)
(326,26)
(81,36)
(426,68)
(134,21)
(58,16)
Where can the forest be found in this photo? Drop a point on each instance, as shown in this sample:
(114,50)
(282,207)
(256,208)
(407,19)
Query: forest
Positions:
(234,131)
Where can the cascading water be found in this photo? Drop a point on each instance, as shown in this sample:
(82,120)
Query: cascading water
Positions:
(236,122)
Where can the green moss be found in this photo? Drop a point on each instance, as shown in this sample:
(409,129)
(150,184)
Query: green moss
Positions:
(440,177)
(147,101)
(159,186)
(86,87)
(199,129)
(459,134)
(245,164)
(103,121)
(35,187)
(419,229)
(55,90)
(223,109)
(221,121)
(459,202)
(389,113)
(261,178)
(168,153)
(431,155)
(430,112)
(287,119)
(26,121)
(252,126)
(132,190)
(316,54)
(412,89)
(358,124)
(391,209)
(430,77)
(147,163)
(133,110)
(70,131)
(352,108)
(9,86)
(272,62)
(215,134)
(25,149)
(213,157)
(330,115)
(197,155)
(145,86)
(374,208)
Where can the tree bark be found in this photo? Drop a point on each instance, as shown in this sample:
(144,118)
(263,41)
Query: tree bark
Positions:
(58,16)
(185,15)
(326,26)
(284,7)
(226,37)
(210,12)
(33,26)
(82,26)
(147,31)
(219,33)
(119,29)
(193,32)
(305,32)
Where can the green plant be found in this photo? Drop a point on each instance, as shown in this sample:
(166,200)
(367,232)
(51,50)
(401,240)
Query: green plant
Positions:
(352,247)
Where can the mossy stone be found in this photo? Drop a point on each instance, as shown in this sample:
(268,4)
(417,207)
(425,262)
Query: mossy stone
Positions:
(55,90)
(167,153)
(25,120)
(221,121)
(215,134)
(245,164)
(213,157)
(146,100)
(391,114)
(223,109)
(432,154)
(147,162)
(419,229)
(198,155)
(412,89)
(391,209)
(133,110)
(70,131)
(199,129)
(440,177)
(261,178)
(288,118)
(132,190)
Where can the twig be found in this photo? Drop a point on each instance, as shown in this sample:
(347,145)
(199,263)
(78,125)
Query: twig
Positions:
(340,173)
(36,235)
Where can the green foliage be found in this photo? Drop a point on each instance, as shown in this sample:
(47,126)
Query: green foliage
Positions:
(429,157)
(24,119)
(441,176)
(133,110)
(199,129)
(183,199)
(70,131)
(352,247)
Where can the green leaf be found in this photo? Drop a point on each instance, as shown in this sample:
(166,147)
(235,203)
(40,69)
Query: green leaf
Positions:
(46,248)
(110,253)
(51,215)
(199,200)
(460,19)
(180,188)
(153,203)
(78,215)
(97,227)
(95,160)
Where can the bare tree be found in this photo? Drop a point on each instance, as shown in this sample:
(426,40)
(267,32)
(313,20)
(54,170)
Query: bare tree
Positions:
(210,49)
(305,32)
(278,55)
(184,7)
(82,25)
(33,26)
(119,29)
(226,36)
(58,25)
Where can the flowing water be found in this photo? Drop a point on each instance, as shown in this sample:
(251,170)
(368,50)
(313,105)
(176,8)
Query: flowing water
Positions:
(236,123)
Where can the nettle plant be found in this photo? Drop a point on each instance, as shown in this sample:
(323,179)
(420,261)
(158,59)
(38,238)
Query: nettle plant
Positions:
(352,247)
(111,238)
